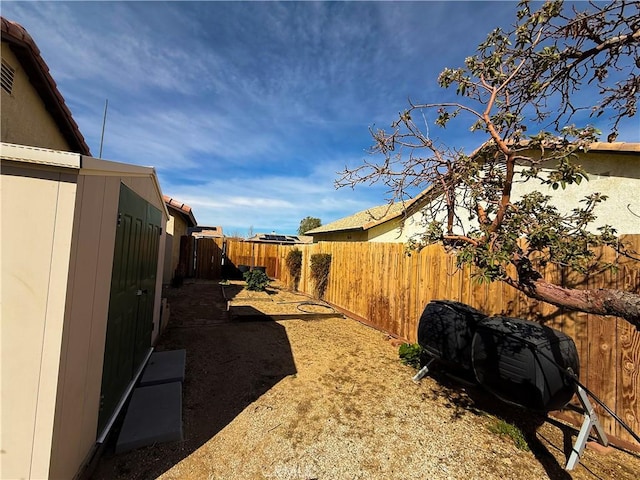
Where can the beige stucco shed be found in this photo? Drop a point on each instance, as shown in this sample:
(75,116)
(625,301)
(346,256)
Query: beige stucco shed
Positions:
(62,218)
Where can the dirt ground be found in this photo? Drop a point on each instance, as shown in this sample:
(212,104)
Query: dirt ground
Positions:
(312,396)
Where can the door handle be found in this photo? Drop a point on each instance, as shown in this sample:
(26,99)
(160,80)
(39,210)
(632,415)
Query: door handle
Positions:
(142,292)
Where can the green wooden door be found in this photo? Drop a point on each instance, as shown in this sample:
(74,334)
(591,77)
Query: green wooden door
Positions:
(146,293)
(133,280)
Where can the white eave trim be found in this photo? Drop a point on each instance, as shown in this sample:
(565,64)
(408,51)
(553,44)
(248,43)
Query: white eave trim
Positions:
(98,166)
(41,156)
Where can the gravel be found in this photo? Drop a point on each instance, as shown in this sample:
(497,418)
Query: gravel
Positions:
(309,398)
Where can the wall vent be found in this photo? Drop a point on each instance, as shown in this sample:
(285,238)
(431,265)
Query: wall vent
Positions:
(8,74)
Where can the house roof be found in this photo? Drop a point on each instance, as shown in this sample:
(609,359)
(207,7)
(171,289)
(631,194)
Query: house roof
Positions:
(623,147)
(28,53)
(362,220)
(182,208)
(371,217)
(201,231)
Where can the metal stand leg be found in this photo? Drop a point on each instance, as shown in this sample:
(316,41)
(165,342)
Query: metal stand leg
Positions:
(422,372)
(590,421)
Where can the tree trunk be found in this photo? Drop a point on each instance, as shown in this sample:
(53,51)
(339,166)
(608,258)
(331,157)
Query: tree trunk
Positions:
(600,301)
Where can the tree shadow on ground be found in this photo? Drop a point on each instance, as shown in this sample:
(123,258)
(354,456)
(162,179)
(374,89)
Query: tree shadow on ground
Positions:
(464,396)
(229,365)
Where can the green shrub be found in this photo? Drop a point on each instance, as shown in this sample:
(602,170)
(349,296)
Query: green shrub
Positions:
(410,354)
(320,266)
(256,280)
(294,265)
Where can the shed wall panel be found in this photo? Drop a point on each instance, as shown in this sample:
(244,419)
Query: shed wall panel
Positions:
(34,283)
(85,326)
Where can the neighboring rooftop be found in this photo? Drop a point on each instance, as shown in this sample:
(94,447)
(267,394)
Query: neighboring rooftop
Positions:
(626,147)
(203,231)
(280,239)
(28,53)
(182,208)
(362,220)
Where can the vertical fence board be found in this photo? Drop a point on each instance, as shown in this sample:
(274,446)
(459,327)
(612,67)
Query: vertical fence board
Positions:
(628,391)
(602,343)
(601,376)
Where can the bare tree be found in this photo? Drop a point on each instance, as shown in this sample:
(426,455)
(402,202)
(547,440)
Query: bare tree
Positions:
(519,81)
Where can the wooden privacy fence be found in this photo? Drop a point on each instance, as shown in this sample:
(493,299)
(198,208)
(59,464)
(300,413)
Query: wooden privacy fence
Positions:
(383,286)
(254,255)
(215,258)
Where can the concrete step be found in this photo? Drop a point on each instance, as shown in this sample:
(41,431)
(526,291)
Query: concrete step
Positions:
(154,415)
(164,367)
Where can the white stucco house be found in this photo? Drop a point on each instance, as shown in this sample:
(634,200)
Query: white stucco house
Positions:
(613,169)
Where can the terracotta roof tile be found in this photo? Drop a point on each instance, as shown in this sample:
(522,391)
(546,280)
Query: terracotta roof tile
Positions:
(182,207)
(175,203)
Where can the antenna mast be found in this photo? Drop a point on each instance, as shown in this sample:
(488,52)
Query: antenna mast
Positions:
(104,121)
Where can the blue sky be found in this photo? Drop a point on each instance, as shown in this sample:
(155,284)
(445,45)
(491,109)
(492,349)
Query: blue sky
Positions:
(248,109)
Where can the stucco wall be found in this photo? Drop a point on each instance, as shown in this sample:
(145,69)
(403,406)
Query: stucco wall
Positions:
(24,119)
(34,284)
(167,273)
(387,232)
(614,174)
(176,228)
(617,175)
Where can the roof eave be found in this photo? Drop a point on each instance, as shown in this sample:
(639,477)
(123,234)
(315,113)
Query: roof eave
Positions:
(188,216)
(339,230)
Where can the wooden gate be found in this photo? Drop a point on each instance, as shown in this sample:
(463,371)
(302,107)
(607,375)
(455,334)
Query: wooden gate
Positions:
(200,257)
(133,280)
(208,255)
